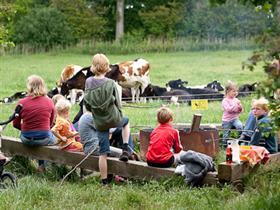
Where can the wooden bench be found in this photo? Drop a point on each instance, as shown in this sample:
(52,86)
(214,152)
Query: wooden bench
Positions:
(131,169)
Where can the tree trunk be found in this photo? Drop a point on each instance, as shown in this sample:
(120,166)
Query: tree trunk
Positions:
(120,19)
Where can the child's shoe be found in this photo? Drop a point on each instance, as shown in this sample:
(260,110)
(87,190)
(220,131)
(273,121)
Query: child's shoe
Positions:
(125,154)
(41,169)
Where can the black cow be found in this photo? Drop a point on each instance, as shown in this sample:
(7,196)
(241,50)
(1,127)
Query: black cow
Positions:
(14,97)
(247,89)
(215,85)
(176,84)
(153,90)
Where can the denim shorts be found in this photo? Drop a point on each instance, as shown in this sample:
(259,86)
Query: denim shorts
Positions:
(51,140)
(103,136)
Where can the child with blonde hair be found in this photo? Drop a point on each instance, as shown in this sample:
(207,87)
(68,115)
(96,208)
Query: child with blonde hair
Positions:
(62,128)
(103,101)
(263,130)
(231,110)
(163,140)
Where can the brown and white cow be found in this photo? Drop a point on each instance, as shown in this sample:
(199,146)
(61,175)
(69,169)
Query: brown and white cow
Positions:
(130,74)
(67,73)
(133,75)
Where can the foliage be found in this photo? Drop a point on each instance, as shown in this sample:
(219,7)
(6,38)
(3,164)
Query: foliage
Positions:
(46,28)
(269,55)
(223,22)
(83,18)
(161,20)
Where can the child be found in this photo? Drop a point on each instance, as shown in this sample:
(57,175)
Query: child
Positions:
(232,108)
(55,99)
(163,139)
(102,99)
(62,128)
(263,130)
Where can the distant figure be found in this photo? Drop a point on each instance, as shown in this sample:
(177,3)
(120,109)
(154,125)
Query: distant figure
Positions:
(263,130)
(231,111)
(36,116)
(165,144)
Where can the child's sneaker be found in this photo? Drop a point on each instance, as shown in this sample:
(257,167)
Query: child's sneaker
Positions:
(124,156)
(119,179)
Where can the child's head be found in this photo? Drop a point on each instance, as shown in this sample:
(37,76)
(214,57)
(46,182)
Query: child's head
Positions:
(57,97)
(231,89)
(164,115)
(62,106)
(36,86)
(260,107)
(100,64)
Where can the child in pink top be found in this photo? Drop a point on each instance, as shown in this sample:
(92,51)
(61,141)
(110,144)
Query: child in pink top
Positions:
(232,109)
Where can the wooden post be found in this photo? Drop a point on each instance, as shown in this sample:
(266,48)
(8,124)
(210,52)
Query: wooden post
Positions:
(196,122)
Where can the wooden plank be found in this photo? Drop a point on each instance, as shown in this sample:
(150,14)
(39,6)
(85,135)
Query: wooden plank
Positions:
(131,169)
(196,122)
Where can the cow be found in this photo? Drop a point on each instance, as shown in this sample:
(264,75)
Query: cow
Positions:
(14,97)
(247,89)
(154,91)
(67,73)
(176,84)
(215,85)
(129,74)
(133,75)
(195,93)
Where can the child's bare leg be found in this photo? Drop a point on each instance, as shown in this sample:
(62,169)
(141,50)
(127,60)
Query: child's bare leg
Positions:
(103,166)
(125,133)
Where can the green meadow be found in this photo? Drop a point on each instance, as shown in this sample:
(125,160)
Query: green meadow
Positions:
(42,191)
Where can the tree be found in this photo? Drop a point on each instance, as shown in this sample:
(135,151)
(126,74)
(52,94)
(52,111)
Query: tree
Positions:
(46,28)
(119,19)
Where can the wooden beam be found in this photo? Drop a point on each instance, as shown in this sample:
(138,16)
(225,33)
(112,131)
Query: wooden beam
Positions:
(234,171)
(131,169)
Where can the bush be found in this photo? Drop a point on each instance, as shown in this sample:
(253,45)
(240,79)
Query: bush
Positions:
(46,28)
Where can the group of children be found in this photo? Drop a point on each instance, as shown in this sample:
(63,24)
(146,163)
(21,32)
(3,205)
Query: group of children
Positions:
(258,127)
(103,117)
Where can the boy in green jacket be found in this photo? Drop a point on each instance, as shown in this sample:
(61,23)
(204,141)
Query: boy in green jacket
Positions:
(102,99)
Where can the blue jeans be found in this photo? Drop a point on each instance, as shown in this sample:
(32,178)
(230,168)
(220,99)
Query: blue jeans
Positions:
(227,125)
(88,133)
(250,125)
(103,136)
(38,142)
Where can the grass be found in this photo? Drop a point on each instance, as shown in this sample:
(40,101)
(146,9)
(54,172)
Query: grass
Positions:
(42,191)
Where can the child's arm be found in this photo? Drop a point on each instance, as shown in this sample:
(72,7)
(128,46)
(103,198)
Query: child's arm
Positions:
(74,133)
(57,135)
(231,107)
(177,143)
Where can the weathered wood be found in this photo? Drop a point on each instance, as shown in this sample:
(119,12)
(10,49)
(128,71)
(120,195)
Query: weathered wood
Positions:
(131,169)
(234,171)
(196,122)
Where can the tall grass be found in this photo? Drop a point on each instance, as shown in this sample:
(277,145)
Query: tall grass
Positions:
(133,45)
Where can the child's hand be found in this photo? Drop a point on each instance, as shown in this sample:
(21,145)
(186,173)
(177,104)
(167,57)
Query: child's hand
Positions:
(63,138)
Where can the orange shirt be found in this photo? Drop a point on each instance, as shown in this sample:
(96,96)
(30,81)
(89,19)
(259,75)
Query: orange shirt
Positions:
(63,127)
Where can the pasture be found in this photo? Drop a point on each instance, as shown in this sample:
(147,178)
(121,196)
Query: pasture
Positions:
(42,191)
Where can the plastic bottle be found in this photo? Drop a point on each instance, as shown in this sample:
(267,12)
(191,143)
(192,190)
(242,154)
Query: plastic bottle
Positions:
(235,151)
(228,155)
